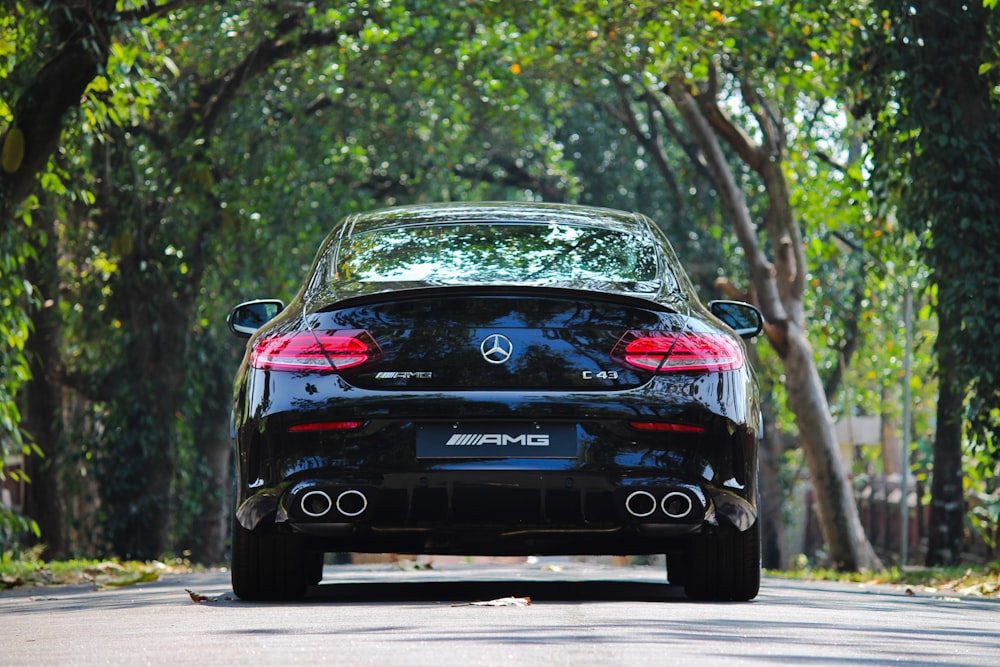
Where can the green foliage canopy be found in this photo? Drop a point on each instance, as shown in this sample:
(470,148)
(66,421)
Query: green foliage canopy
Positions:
(220,141)
(933,91)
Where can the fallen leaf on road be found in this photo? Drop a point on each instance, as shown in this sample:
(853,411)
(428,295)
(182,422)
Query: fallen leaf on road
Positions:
(499,602)
(986,589)
(407,564)
(198,597)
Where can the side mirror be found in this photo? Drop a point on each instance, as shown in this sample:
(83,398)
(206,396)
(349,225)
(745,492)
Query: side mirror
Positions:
(741,317)
(246,318)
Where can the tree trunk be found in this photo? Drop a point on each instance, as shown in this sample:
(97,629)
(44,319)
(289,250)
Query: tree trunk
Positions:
(778,288)
(772,531)
(945,534)
(961,209)
(139,451)
(848,547)
(209,532)
(43,421)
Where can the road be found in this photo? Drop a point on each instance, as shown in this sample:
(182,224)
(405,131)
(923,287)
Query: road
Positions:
(580,614)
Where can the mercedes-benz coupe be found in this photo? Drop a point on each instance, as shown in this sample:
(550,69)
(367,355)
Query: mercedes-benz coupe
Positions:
(496,379)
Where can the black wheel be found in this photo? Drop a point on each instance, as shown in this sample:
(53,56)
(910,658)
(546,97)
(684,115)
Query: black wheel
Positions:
(724,565)
(267,565)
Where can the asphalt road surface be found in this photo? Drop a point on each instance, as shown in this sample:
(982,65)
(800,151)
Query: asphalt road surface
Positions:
(579,614)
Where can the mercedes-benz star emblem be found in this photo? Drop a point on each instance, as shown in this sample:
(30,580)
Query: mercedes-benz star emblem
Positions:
(496,348)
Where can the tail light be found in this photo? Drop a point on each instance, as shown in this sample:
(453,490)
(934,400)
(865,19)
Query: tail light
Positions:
(315,351)
(671,351)
(667,427)
(312,427)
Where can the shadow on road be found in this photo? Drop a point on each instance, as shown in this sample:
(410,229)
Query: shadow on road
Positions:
(458,592)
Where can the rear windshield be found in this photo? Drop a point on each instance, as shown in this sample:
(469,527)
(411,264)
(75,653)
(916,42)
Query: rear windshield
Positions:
(480,253)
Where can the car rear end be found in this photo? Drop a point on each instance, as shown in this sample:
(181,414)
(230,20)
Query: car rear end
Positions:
(494,417)
(434,444)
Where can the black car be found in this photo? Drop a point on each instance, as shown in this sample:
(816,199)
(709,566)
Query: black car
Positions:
(496,379)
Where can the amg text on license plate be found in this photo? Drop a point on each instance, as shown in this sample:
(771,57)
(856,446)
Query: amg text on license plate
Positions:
(486,440)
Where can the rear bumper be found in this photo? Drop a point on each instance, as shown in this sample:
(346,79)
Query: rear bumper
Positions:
(491,513)
(607,498)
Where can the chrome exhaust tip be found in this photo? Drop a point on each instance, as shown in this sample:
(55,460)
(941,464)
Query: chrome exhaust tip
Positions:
(677,505)
(352,503)
(640,504)
(316,503)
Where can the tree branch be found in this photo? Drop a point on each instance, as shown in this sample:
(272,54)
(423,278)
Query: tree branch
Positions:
(216,95)
(650,142)
(151,9)
(515,176)
(680,138)
(734,203)
(765,159)
(54,90)
(752,154)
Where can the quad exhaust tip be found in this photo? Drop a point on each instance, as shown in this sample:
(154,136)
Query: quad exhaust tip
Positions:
(640,504)
(352,502)
(349,503)
(675,504)
(316,503)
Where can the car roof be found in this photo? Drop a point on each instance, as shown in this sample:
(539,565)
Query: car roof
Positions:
(492,212)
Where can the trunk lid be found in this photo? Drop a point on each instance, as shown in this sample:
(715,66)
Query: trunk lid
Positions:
(540,340)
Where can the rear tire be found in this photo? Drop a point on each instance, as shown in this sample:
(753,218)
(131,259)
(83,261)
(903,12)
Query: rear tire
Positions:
(267,565)
(724,565)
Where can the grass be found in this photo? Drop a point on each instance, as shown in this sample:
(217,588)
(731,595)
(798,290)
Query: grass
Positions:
(977,581)
(28,569)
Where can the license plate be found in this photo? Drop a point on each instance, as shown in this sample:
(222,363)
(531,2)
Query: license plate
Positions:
(477,440)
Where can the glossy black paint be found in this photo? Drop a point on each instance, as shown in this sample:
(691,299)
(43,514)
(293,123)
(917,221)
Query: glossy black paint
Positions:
(353,479)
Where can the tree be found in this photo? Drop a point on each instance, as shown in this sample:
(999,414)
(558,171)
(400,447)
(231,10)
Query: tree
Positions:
(74,37)
(691,57)
(210,156)
(181,178)
(778,286)
(928,79)
(160,247)
(153,305)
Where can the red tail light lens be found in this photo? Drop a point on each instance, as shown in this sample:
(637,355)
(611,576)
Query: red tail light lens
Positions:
(315,351)
(670,351)
(312,427)
(667,427)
